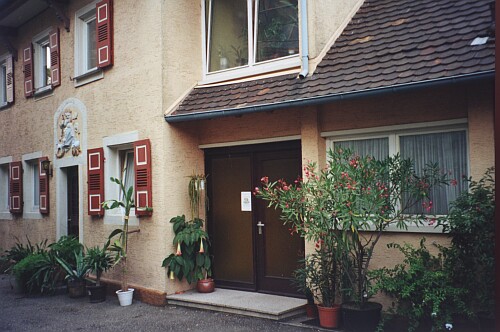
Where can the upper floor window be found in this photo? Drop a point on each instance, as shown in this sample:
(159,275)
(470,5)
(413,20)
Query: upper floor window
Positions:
(247,37)
(93,41)
(6,80)
(41,63)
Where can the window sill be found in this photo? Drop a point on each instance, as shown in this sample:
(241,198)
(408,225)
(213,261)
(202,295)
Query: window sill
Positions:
(268,67)
(5,215)
(88,77)
(43,92)
(117,220)
(4,105)
(32,215)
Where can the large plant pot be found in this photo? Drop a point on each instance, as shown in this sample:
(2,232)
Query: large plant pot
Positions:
(329,316)
(76,288)
(96,293)
(205,285)
(125,298)
(363,319)
(486,322)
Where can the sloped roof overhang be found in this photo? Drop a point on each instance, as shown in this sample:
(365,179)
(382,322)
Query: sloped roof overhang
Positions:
(330,98)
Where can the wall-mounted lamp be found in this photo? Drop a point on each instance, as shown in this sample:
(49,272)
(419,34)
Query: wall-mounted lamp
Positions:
(47,167)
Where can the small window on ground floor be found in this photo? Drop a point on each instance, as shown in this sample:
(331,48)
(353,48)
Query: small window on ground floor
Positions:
(446,148)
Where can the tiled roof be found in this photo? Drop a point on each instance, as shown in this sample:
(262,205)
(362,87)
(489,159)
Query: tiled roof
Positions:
(387,43)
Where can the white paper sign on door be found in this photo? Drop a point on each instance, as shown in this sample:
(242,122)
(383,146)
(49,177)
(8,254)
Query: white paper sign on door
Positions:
(246,201)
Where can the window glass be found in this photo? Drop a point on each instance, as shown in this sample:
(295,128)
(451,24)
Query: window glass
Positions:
(41,49)
(47,80)
(449,151)
(36,184)
(375,147)
(228,34)
(4,187)
(277,29)
(127,162)
(246,32)
(3,82)
(91,43)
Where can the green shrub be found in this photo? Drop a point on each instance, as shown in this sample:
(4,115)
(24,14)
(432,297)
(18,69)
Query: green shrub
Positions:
(422,287)
(20,250)
(65,248)
(471,256)
(25,269)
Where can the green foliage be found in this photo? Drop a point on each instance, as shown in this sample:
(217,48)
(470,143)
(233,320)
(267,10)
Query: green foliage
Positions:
(471,256)
(348,205)
(120,245)
(78,271)
(422,288)
(189,261)
(26,268)
(20,250)
(98,261)
(65,248)
(319,276)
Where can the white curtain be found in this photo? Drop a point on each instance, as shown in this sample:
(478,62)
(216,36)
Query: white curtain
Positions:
(375,147)
(449,151)
(128,169)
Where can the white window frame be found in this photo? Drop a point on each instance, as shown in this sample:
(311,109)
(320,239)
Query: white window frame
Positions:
(3,79)
(30,165)
(84,75)
(393,133)
(252,68)
(113,145)
(40,41)
(4,188)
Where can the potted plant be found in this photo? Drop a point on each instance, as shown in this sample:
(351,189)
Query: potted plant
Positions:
(471,256)
(191,259)
(99,261)
(347,206)
(120,245)
(75,275)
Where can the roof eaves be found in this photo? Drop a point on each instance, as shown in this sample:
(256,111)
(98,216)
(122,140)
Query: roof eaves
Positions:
(323,99)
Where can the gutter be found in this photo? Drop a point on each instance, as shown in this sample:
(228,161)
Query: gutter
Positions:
(304,39)
(334,97)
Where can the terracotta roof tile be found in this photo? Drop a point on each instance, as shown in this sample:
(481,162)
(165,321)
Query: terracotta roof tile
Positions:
(387,42)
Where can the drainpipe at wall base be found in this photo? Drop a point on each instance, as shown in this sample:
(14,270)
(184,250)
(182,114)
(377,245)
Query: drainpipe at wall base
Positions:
(304,39)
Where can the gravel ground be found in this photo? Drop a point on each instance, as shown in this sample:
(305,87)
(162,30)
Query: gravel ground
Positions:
(60,313)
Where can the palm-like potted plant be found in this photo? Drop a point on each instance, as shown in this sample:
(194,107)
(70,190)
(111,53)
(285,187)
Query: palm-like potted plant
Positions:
(347,206)
(99,261)
(192,259)
(120,245)
(75,275)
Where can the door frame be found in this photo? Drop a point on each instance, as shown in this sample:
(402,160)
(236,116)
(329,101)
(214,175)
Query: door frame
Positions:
(62,200)
(236,151)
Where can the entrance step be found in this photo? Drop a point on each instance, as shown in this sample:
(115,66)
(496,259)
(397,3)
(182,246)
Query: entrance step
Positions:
(241,303)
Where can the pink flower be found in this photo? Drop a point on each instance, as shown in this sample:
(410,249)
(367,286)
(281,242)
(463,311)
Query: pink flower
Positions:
(264,179)
(453,182)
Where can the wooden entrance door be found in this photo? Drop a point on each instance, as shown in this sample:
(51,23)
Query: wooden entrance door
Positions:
(252,250)
(73,201)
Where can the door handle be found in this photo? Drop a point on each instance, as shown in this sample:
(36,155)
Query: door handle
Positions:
(260,225)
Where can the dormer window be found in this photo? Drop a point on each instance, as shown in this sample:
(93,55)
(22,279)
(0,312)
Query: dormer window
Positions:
(248,37)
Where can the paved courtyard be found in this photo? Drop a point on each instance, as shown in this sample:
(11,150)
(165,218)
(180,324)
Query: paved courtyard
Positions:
(60,313)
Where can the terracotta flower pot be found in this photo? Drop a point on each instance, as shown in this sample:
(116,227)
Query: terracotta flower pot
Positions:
(205,285)
(311,310)
(329,316)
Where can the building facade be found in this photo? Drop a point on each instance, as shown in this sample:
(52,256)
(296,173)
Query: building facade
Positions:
(155,92)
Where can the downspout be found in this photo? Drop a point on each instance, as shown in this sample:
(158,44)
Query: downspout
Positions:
(304,39)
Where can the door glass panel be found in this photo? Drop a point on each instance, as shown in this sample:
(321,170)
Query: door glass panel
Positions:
(282,250)
(231,228)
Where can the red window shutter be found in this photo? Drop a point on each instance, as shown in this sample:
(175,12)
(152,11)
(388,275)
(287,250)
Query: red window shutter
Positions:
(104,27)
(95,181)
(10,80)
(55,57)
(143,181)
(44,187)
(16,187)
(28,71)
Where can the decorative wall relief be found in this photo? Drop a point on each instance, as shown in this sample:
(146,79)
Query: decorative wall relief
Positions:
(69,134)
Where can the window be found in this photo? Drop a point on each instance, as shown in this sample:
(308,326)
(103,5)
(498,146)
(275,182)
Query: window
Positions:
(246,37)
(6,80)
(41,63)
(446,148)
(31,185)
(93,50)
(127,169)
(4,190)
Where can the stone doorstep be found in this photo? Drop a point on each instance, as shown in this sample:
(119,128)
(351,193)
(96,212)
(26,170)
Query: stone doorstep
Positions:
(241,303)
